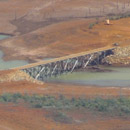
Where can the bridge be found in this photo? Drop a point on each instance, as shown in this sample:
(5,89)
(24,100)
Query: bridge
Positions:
(44,69)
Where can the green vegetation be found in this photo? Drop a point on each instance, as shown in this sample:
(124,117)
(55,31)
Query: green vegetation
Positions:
(62,117)
(91,25)
(112,105)
(114,17)
(119,16)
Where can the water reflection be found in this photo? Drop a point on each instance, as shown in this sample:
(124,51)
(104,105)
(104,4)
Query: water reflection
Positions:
(117,77)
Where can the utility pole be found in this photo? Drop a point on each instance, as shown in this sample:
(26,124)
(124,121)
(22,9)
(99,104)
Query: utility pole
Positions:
(89,11)
(124,4)
(15,15)
(117,4)
(103,9)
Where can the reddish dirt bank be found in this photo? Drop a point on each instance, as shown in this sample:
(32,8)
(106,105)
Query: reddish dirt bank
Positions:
(24,16)
(46,28)
(66,38)
(57,89)
(22,118)
(20,85)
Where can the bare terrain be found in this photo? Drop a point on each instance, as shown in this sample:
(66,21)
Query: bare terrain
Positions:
(22,118)
(53,28)
(45,28)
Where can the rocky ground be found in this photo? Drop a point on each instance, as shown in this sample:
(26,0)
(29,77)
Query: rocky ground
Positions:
(16,75)
(121,57)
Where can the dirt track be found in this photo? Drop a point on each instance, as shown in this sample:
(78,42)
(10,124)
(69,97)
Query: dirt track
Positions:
(65,57)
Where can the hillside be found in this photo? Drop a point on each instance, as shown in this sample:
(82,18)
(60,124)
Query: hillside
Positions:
(46,29)
(41,29)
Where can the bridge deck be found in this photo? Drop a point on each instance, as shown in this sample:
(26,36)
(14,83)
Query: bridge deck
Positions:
(65,57)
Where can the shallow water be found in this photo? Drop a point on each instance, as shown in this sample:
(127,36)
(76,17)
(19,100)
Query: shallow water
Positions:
(4,36)
(117,77)
(9,64)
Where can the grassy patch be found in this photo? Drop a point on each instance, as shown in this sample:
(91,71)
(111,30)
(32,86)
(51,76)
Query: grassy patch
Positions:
(112,105)
(119,17)
(91,25)
(61,117)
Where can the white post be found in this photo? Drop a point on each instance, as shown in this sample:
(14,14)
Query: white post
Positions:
(74,66)
(66,65)
(39,72)
(88,61)
(54,69)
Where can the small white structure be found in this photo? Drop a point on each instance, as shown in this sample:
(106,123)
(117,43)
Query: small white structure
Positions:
(108,22)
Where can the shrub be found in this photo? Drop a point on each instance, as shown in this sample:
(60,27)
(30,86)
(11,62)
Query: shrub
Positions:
(37,105)
(6,97)
(62,117)
(91,25)
(114,105)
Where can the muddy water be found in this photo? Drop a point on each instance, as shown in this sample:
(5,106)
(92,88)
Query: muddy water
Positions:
(9,64)
(116,77)
(4,36)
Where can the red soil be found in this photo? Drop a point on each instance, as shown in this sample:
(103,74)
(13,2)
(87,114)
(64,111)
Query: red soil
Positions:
(57,89)
(34,40)
(58,38)
(23,118)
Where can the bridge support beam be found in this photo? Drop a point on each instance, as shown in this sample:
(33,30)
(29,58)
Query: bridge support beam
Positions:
(43,71)
(74,66)
(88,61)
(39,72)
